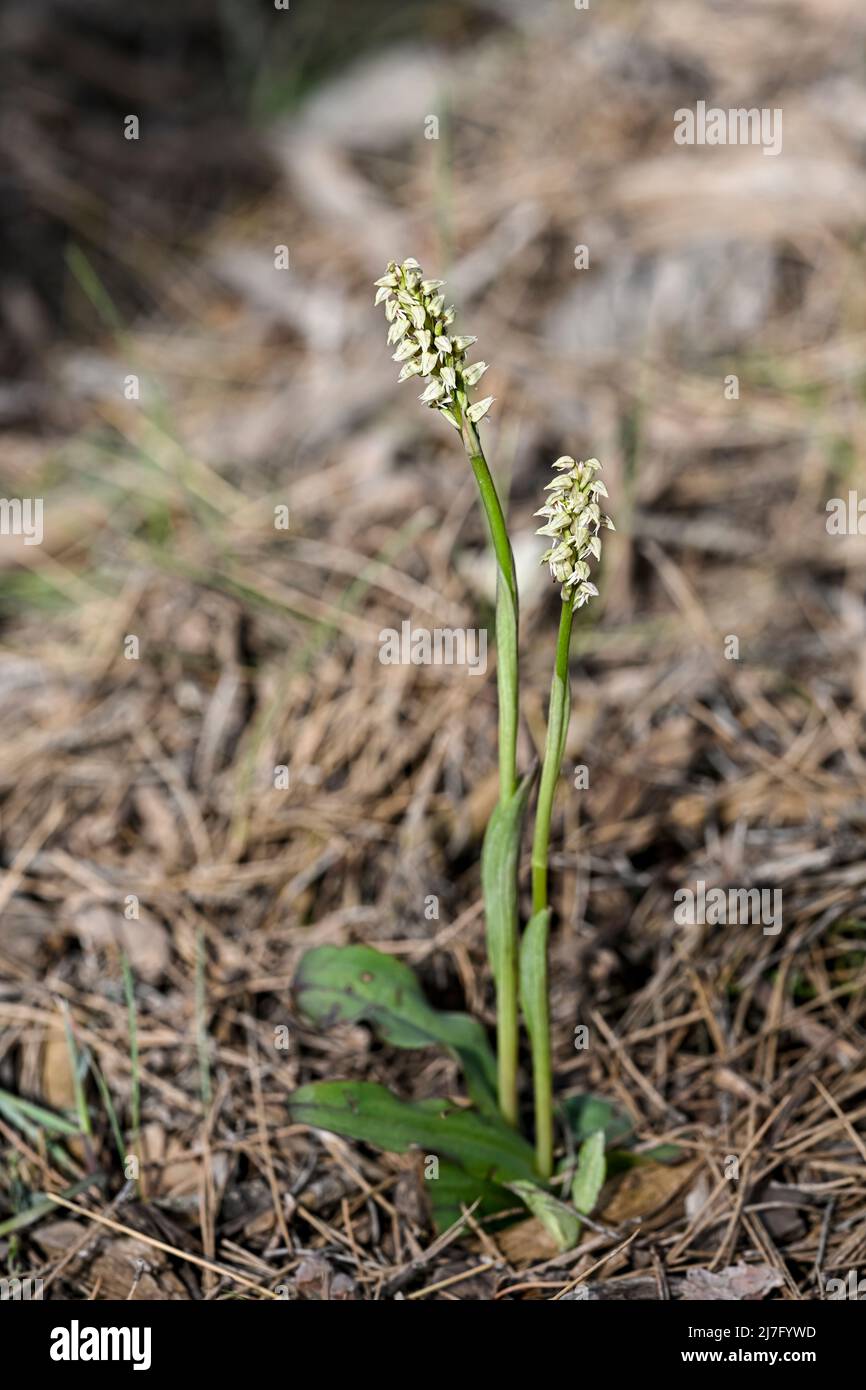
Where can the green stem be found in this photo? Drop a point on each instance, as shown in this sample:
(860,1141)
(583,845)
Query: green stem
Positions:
(506,615)
(557,727)
(507,689)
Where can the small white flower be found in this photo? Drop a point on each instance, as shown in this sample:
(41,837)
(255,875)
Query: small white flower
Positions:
(477,411)
(432,393)
(407,349)
(473,374)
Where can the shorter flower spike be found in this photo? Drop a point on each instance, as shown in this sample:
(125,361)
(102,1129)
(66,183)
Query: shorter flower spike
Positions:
(574,521)
(420,324)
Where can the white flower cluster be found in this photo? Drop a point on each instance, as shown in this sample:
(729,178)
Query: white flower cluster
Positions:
(419,328)
(574,521)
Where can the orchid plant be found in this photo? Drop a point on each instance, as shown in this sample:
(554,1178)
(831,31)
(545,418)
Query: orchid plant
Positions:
(482,1159)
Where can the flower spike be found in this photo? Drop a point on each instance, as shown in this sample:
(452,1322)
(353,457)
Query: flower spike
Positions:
(574,520)
(419,323)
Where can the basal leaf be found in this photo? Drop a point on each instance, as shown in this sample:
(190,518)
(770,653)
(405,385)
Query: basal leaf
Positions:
(583,1115)
(453,1190)
(620,1160)
(559,1219)
(483,1145)
(591,1173)
(350,984)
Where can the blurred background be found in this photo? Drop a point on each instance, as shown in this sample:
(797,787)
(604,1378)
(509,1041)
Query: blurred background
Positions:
(196,200)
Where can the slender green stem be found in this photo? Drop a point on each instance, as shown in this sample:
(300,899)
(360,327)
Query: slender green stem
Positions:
(557,727)
(507,689)
(507,1039)
(506,615)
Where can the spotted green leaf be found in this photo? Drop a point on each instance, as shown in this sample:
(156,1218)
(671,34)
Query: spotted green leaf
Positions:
(353,984)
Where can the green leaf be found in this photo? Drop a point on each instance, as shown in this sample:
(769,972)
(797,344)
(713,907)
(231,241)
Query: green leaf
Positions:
(349,984)
(556,1217)
(583,1115)
(499,858)
(533,980)
(591,1173)
(37,1124)
(483,1145)
(454,1189)
(660,1153)
(620,1160)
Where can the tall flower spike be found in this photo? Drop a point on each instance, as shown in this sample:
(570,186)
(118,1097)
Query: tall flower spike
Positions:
(574,521)
(419,326)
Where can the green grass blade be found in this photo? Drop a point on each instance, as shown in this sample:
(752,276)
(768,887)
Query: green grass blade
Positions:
(105,1097)
(43,1206)
(78,1066)
(16,1109)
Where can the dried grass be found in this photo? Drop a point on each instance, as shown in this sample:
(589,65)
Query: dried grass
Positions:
(258,648)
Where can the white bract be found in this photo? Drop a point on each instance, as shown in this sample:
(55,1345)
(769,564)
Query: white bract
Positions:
(574,521)
(419,324)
